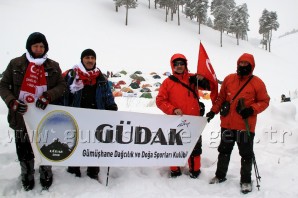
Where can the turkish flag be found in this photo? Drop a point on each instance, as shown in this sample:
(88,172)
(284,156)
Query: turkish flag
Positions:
(205,69)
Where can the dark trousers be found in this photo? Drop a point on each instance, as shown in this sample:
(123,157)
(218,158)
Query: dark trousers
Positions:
(245,146)
(23,145)
(26,156)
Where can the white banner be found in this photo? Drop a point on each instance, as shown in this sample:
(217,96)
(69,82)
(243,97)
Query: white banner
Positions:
(66,136)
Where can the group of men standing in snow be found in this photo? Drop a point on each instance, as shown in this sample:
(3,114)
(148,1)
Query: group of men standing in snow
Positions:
(34,77)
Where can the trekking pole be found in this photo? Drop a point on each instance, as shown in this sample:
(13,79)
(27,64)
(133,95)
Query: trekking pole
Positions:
(108,173)
(258,177)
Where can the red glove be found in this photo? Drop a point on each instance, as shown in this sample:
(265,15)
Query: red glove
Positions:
(18,106)
(43,101)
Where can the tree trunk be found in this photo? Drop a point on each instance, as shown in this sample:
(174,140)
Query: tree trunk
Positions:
(237,37)
(155,4)
(167,11)
(178,16)
(221,38)
(149,4)
(126,20)
(269,40)
(266,43)
(172,15)
(199,27)
(116,8)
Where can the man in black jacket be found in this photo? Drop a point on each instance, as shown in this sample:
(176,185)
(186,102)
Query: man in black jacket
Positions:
(88,88)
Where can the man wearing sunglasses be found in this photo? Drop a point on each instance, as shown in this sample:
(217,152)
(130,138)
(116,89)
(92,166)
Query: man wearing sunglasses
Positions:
(178,95)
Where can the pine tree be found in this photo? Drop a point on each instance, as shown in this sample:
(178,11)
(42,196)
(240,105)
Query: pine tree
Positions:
(197,9)
(268,22)
(128,4)
(165,4)
(209,22)
(189,9)
(221,10)
(201,7)
(179,3)
(239,22)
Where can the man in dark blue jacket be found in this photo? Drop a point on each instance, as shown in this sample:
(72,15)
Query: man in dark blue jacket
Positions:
(88,88)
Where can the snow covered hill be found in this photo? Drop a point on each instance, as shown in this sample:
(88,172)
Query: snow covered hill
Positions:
(147,44)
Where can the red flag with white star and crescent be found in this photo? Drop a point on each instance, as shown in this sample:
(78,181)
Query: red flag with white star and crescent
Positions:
(205,69)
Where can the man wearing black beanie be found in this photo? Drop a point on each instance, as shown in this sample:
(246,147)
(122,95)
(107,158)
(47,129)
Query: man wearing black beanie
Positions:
(30,78)
(88,88)
(90,59)
(37,37)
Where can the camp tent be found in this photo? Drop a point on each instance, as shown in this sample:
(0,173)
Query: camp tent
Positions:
(146,89)
(146,95)
(137,77)
(167,73)
(146,85)
(121,82)
(127,90)
(134,85)
(117,86)
(117,93)
(156,76)
(123,72)
(117,75)
(157,84)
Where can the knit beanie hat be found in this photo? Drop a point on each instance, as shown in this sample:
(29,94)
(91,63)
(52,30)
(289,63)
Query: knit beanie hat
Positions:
(88,52)
(36,37)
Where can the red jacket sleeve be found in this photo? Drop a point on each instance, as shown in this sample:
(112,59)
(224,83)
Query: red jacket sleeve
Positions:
(162,99)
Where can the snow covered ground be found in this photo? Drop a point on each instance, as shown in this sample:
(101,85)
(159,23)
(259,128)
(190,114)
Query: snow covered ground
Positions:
(147,44)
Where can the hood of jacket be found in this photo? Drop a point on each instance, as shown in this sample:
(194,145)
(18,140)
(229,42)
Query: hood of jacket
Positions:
(178,56)
(249,58)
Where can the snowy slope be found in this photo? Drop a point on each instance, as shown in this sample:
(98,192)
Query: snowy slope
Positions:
(147,44)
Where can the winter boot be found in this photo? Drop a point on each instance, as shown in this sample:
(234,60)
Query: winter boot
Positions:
(92,172)
(216,180)
(27,174)
(46,176)
(246,188)
(74,170)
(194,174)
(194,163)
(175,172)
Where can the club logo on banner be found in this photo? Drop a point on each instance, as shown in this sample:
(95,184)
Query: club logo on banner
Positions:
(50,135)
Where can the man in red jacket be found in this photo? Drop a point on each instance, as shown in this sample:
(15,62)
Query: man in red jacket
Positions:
(233,128)
(175,99)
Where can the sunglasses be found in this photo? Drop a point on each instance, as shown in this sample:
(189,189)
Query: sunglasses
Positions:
(176,63)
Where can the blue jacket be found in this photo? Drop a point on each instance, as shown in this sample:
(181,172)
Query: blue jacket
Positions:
(103,94)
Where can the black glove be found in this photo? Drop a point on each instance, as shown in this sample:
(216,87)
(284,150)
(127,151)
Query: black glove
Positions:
(112,107)
(202,108)
(210,115)
(193,79)
(43,101)
(18,106)
(246,112)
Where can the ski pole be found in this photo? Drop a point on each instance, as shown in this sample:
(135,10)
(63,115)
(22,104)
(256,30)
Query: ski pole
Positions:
(108,173)
(258,177)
